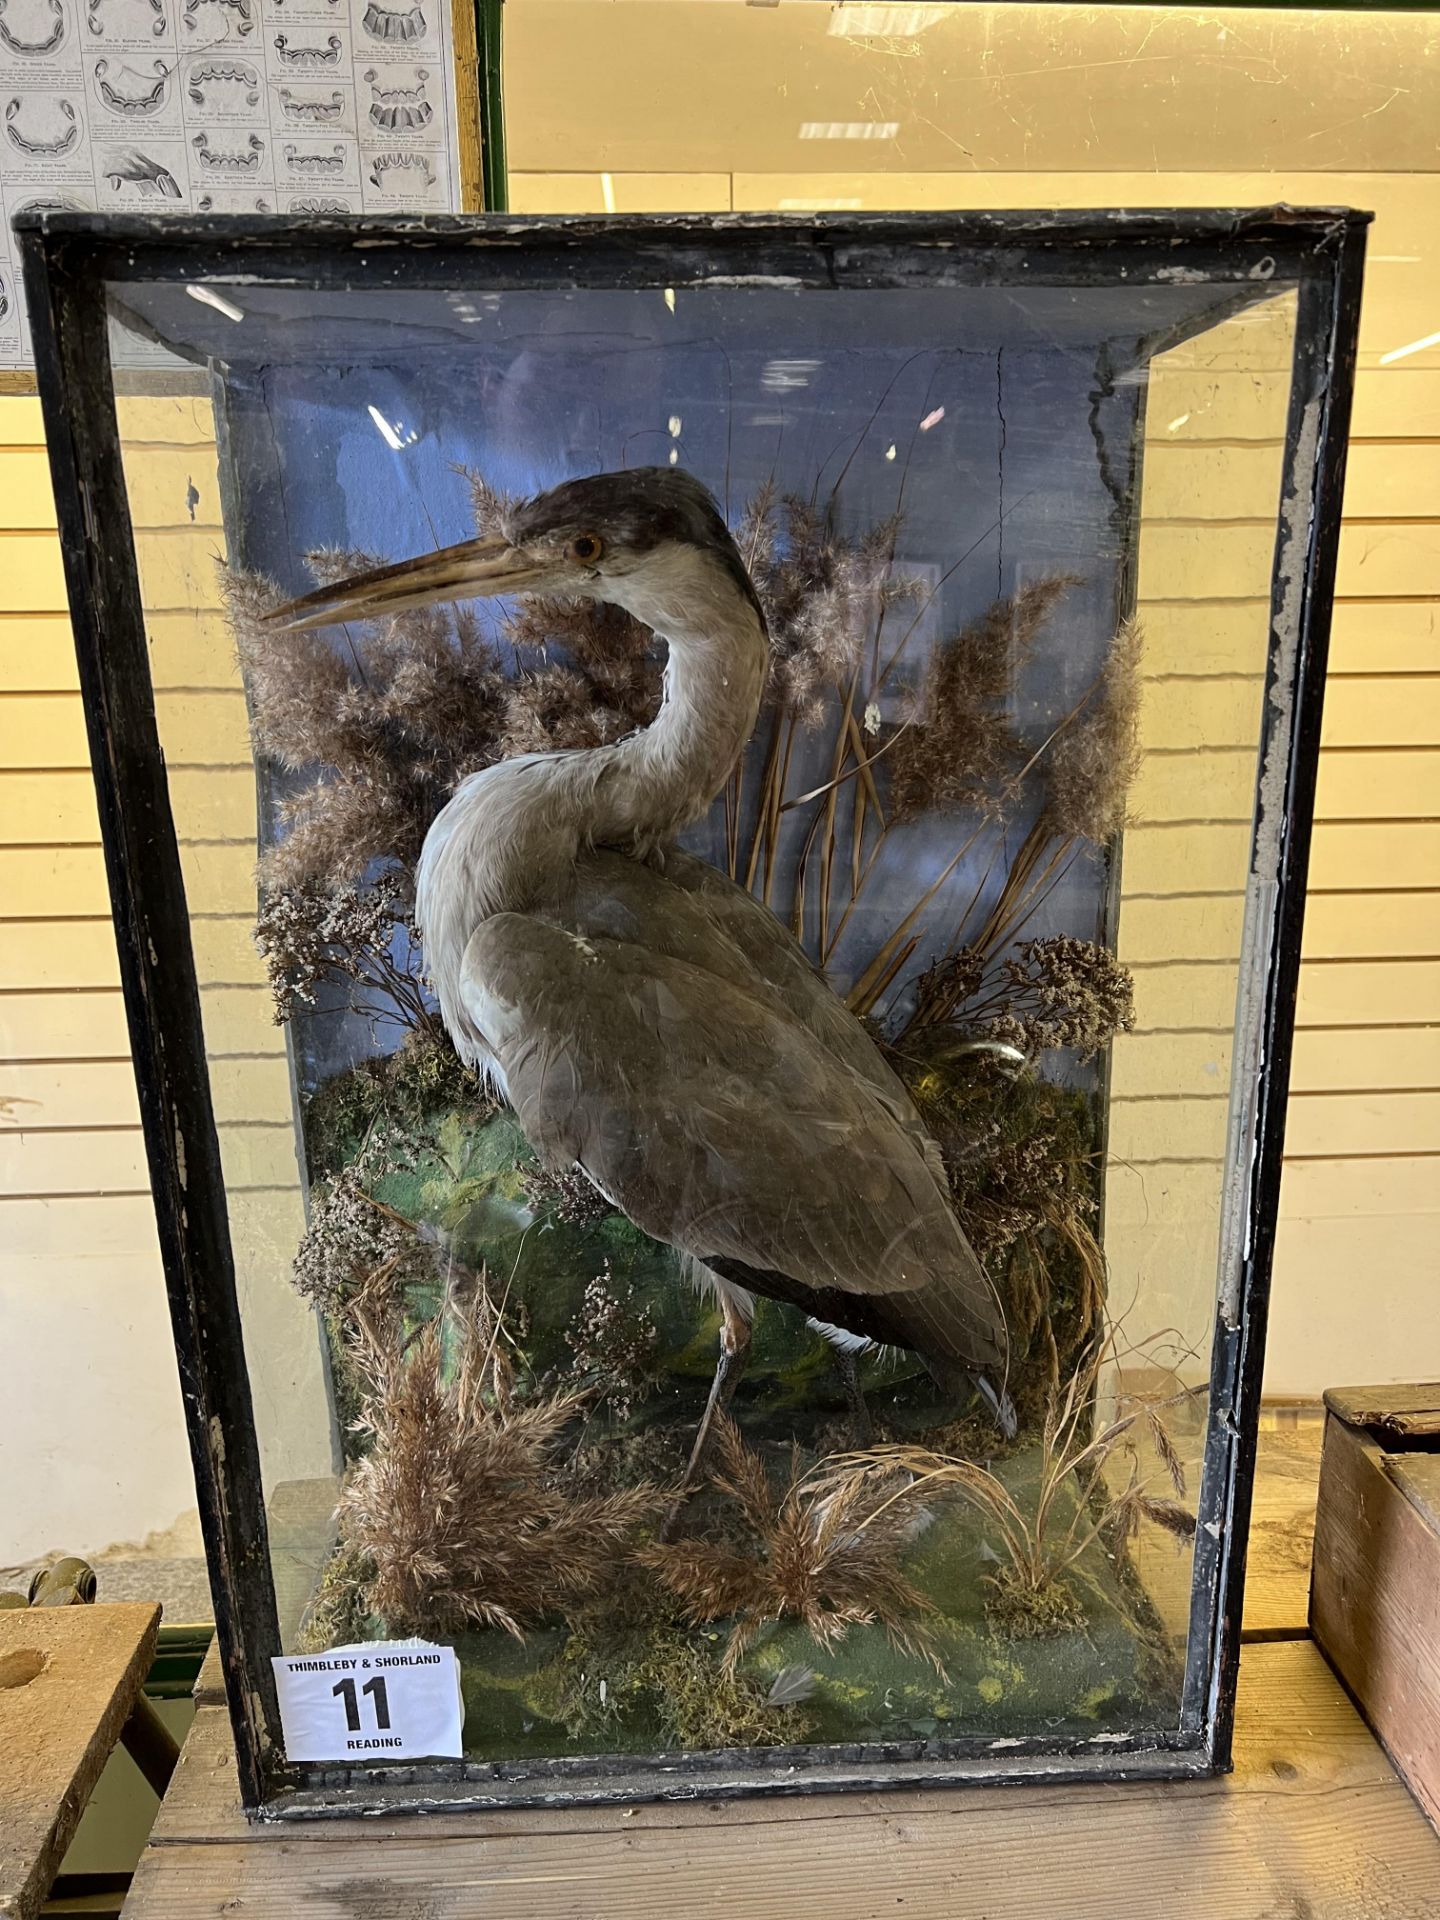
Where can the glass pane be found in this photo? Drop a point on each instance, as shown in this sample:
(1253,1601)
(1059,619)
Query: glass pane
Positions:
(944,1203)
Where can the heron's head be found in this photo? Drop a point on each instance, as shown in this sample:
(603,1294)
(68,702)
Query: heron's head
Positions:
(650,539)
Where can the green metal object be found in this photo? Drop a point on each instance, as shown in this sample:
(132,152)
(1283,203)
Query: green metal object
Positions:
(68,1583)
(494,174)
(179,1654)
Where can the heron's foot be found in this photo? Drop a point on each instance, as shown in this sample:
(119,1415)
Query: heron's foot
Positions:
(729,1370)
(862,1430)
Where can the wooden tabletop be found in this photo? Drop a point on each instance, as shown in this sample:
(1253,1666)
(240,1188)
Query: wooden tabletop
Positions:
(69,1677)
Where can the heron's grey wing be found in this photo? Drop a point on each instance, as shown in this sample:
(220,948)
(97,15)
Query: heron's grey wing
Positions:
(695,911)
(721,1125)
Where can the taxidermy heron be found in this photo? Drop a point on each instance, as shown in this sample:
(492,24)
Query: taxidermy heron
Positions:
(650,1021)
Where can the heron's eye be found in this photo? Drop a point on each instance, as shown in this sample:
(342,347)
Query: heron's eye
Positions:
(586,548)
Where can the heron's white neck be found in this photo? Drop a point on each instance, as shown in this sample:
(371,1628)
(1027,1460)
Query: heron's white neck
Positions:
(659,781)
(509,838)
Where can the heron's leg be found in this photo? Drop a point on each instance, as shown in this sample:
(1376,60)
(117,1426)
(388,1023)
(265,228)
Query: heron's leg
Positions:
(729,1371)
(847,1365)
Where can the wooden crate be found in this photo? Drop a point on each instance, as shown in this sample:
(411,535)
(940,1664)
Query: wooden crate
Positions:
(1375,1587)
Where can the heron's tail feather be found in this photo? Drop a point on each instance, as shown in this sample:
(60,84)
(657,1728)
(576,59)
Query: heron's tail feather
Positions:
(958,1382)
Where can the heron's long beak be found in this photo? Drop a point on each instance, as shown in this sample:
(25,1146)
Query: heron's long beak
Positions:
(470,571)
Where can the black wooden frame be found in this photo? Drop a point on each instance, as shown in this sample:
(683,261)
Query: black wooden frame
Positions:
(69,261)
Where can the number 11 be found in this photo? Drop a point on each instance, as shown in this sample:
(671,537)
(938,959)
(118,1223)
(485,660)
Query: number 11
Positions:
(376,1689)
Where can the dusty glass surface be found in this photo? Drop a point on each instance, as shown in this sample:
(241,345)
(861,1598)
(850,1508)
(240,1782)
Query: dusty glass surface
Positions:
(820,967)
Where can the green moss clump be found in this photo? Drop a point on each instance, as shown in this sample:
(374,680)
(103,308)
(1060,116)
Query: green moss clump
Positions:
(1021,1611)
(337,1616)
(1022,1156)
(407,1089)
(664,1681)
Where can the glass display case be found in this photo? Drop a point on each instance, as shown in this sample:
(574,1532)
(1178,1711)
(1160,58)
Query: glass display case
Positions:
(644,836)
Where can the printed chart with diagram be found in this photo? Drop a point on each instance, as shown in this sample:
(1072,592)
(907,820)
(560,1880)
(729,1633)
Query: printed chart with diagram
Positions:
(221,106)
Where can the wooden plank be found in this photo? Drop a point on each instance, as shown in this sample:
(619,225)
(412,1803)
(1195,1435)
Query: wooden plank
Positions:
(201,728)
(1186,858)
(1368,993)
(1366,1057)
(629,193)
(1363,1190)
(1201,714)
(1376,1602)
(90,1093)
(1219,560)
(1190,637)
(1394,924)
(1378,785)
(1185,1128)
(1311,1807)
(68,1679)
(37,654)
(31,578)
(1181,930)
(94,1228)
(1219,785)
(1417,1475)
(20,421)
(83,1024)
(57,954)
(1361,712)
(1183,480)
(182,419)
(45,808)
(48,809)
(1392,1413)
(1326,1125)
(1158,1063)
(41,883)
(1385,636)
(1385,558)
(85,1161)
(192,648)
(1282,1523)
(1214,859)
(1228,561)
(1154,1063)
(1397,403)
(178,567)
(159,480)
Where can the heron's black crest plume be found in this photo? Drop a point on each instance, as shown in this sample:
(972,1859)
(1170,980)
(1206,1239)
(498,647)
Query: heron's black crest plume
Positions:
(639,508)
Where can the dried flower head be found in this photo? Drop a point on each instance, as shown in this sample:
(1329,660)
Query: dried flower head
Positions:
(1063,992)
(351,1245)
(824,1552)
(614,1345)
(823,593)
(461,1510)
(962,750)
(363,937)
(1093,763)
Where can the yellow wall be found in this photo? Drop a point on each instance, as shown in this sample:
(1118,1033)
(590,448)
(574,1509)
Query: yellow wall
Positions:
(663,104)
(92,1447)
(704,107)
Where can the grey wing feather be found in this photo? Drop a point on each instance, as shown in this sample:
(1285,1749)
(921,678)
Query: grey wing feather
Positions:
(691,909)
(723,1126)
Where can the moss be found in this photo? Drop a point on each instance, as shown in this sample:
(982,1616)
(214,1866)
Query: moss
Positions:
(423,1078)
(664,1678)
(1024,1169)
(336,1616)
(1024,1612)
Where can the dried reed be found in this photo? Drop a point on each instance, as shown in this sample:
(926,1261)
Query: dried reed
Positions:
(460,1512)
(826,1556)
